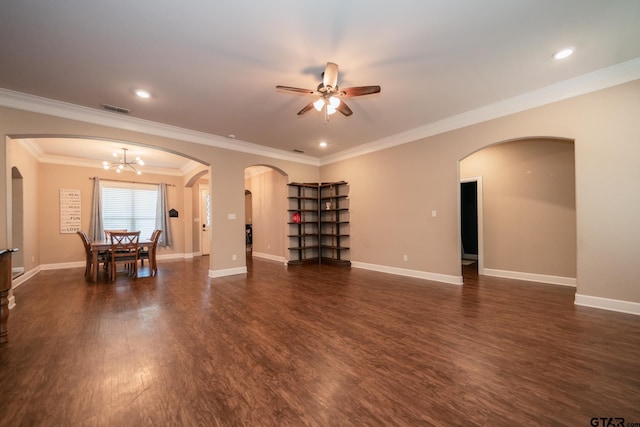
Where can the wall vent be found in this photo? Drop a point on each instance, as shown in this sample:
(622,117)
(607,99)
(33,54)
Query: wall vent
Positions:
(116,109)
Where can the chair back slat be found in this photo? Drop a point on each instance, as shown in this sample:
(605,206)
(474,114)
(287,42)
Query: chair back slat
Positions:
(124,250)
(85,240)
(124,241)
(108,232)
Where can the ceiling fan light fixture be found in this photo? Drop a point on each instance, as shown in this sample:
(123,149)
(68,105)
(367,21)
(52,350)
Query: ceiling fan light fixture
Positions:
(331,109)
(319,104)
(334,101)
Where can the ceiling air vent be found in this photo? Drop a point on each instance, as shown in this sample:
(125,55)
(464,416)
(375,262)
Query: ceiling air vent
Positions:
(297,150)
(116,109)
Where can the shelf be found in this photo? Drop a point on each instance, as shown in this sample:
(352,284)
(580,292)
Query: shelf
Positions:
(316,238)
(335,210)
(337,196)
(303,248)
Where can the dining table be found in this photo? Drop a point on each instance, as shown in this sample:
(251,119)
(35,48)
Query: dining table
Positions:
(98,246)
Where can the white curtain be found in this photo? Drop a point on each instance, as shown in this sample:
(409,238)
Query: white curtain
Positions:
(96,229)
(162,217)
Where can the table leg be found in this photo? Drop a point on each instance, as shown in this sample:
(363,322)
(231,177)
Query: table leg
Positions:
(94,263)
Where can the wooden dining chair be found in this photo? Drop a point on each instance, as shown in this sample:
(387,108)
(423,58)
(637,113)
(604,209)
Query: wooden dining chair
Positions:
(150,253)
(88,252)
(124,251)
(107,232)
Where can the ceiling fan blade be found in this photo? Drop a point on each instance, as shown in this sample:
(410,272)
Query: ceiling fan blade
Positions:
(308,107)
(330,75)
(344,109)
(297,90)
(360,90)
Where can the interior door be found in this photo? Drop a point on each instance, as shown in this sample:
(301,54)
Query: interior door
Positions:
(205,221)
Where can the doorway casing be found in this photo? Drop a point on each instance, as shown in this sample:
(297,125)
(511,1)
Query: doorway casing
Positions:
(478,181)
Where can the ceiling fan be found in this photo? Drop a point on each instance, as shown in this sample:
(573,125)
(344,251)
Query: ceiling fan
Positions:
(329,94)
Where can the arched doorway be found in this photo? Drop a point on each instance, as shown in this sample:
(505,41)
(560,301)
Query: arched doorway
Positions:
(17,221)
(527,209)
(266,217)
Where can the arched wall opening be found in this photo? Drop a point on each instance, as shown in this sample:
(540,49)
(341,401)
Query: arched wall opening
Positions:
(47,175)
(526,209)
(265,211)
(17,221)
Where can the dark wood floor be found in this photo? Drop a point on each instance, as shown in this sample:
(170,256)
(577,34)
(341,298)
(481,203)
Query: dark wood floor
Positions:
(314,346)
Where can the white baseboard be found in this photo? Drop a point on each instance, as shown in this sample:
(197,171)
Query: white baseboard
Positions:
(268,256)
(61,265)
(608,304)
(436,277)
(26,276)
(227,272)
(531,277)
(171,256)
(12,302)
(17,270)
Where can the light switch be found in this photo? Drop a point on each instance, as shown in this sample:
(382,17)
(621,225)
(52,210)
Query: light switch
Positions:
(434,213)
(231,216)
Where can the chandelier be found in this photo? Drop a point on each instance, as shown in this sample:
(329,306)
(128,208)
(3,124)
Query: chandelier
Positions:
(123,163)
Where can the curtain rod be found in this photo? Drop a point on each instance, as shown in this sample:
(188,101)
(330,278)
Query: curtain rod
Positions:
(131,182)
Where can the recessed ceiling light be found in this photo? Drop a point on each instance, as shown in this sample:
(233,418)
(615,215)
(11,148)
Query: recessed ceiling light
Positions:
(323,144)
(564,53)
(143,93)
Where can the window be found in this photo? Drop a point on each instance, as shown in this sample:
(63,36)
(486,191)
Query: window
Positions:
(129,206)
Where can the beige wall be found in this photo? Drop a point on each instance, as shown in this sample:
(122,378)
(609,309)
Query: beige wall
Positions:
(393,191)
(226,177)
(32,204)
(529,217)
(53,177)
(269,197)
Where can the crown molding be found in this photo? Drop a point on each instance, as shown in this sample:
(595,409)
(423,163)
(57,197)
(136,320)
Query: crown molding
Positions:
(34,149)
(591,82)
(37,104)
(586,83)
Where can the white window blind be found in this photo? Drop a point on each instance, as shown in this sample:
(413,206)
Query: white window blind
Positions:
(129,206)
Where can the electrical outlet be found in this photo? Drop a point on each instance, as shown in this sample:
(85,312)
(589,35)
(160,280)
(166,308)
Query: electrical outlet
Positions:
(233,257)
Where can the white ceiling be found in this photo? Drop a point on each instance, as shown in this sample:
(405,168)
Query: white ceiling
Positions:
(212,66)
